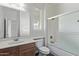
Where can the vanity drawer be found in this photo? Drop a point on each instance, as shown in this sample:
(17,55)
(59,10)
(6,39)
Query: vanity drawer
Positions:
(9,51)
(28,52)
(26,46)
(4,52)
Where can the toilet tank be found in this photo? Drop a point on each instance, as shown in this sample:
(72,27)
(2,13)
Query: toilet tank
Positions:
(39,42)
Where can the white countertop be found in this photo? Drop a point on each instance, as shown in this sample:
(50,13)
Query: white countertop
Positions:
(12,43)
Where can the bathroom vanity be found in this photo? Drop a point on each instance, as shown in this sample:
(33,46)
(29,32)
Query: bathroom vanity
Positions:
(14,24)
(22,48)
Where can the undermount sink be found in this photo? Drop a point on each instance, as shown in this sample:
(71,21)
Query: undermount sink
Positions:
(9,43)
(16,41)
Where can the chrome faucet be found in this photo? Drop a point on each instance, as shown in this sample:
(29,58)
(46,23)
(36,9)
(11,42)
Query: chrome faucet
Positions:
(16,39)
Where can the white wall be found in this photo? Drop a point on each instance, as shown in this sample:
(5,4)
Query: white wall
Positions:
(67,7)
(53,30)
(54,9)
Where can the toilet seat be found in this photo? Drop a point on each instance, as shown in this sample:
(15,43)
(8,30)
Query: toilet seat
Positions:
(44,50)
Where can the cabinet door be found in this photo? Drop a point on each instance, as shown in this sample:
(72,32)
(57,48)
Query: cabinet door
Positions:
(4,53)
(13,51)
(28,52)
(27,49)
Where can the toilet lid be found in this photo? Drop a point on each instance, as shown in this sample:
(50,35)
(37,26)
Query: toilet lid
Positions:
(44,49)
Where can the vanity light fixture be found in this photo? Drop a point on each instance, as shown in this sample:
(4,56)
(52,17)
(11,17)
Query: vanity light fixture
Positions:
(17,6)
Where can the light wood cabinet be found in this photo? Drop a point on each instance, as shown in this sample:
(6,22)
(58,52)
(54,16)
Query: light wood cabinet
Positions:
(22,50)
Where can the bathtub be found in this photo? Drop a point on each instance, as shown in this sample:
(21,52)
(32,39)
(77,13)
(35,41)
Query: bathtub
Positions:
(67,45)
(57,51)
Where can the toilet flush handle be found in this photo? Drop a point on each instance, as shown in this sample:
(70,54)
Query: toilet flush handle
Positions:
(52,39)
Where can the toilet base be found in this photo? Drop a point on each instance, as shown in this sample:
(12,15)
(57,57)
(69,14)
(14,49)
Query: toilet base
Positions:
(41,54)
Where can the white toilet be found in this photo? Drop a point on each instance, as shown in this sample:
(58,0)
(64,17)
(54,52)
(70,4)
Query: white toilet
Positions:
(43,50)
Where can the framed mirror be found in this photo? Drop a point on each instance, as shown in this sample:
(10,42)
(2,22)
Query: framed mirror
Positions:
(36,16)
